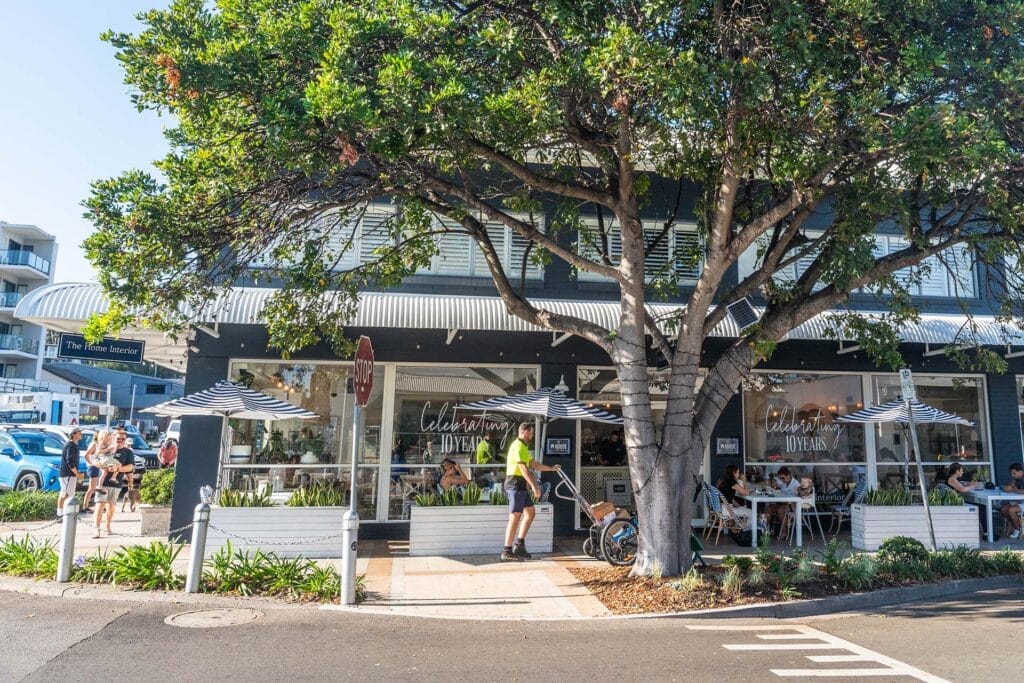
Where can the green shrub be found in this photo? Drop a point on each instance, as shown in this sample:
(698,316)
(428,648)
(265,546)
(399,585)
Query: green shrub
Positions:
(856,572)
(27,506)
(471,494)
(961,562)
(732,582)
(427,500)
(319,494)
(949,498)
(691,581)
(255,572)
(743,563)
(889,497)
(157,487)
(831,558)
(28,557)
(232,498)
(902,558)
(451,497)
(147,566)
(1007,561)
(95,568)
(499,498)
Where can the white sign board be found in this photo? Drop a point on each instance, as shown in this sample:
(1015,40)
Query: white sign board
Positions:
(907,387)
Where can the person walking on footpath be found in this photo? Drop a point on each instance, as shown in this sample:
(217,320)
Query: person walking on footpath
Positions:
(520,482)
(69,473)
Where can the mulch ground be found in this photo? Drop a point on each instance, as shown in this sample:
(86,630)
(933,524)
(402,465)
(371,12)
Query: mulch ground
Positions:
(622,594)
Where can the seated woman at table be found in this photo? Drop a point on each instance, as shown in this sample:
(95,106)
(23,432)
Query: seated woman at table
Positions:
(953,474)
(451,475)
(732,485)
(1011,509)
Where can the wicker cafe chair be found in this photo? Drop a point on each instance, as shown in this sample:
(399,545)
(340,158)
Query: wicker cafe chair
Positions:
(809,508)
(841,512)
(721,516)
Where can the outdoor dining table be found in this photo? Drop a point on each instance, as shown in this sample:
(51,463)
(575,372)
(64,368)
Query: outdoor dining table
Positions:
(769,498)
(987,497)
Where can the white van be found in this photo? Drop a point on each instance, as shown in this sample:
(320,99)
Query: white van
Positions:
(174,431)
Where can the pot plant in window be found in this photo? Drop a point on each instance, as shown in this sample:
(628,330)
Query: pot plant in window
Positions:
(240,451)
(274,451)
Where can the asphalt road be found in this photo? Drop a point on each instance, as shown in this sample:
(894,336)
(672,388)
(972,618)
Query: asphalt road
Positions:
(49,638)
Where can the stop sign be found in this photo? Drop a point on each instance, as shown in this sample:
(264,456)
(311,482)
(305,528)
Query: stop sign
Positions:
(363,371)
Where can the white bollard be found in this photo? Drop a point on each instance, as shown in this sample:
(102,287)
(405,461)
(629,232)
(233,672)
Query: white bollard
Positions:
(66,558)
(200,522)
(350,528)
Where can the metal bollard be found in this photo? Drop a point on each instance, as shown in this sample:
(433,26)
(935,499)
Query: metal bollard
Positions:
(350,528)
(69,524)
(200,522)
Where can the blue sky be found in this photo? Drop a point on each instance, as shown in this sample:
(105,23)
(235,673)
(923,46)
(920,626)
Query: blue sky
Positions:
(65,116)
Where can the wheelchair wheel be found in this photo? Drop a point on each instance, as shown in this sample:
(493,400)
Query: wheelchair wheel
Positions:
(619,542)
(588,547)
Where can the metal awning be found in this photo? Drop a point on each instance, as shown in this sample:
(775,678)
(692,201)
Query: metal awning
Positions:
(66,306)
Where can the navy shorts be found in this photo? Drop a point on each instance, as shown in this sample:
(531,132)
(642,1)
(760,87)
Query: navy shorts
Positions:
(93,471)
(519,501)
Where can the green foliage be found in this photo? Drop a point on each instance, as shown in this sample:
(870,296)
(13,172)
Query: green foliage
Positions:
(831,558)
(499,498)
(742,562)
(95,568)
(471,494)
(318,494)
(157,487)
(732,581)
(427,500)
(891,497)
(690,582)
(947,498)
(903,559)
(961,562)
(255,572)
(232,498)
(148,567)
(1007,561)
(27,506)
(856,572)
(28,557)
(451,497)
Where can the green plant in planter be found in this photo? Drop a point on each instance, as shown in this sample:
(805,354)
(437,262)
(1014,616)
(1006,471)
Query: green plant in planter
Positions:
(471,494)
(949,498)
(888,497)
(427,500)
(239,437)
(319,494)
(499,498)
(451,497)
(233,498)
(274,450)
(157,487)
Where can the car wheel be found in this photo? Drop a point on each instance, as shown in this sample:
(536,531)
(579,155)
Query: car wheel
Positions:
(27,482)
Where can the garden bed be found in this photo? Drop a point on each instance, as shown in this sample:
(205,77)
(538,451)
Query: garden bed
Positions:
(770,577)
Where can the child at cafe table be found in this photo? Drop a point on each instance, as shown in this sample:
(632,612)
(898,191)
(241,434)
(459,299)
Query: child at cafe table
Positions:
(1011,509)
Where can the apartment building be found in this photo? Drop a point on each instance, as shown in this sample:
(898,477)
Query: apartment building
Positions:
(27,258)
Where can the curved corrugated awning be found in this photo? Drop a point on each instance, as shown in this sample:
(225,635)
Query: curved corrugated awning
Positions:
(67,306)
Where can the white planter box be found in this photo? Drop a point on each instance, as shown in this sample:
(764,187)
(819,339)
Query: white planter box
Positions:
(954,525)
(156,519)
(473,529)
(287,531)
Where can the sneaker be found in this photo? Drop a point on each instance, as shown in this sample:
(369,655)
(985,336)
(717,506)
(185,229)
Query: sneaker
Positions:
(510,556)
(1015,534)
(520,552)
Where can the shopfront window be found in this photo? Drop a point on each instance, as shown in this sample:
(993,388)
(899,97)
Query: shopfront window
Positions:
(429,427)
(941,444)
(285,454)
(790,420)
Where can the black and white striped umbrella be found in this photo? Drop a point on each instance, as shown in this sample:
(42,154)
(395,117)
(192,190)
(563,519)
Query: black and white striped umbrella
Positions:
(548,403)
(232,400)
(896,411)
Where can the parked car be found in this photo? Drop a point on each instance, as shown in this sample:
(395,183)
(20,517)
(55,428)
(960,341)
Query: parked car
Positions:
(23,472)
(145,457)
(173,431)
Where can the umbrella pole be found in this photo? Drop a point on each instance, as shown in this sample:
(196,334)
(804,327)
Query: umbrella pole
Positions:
(920,476)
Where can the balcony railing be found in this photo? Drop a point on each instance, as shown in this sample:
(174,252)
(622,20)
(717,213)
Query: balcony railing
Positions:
(17,257)
(12,342)
(9,299)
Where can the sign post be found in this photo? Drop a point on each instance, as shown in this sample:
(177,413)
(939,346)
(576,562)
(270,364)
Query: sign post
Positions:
(362,385)
(909,392)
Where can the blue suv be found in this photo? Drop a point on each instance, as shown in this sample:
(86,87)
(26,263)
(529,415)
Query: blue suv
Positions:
(24,472)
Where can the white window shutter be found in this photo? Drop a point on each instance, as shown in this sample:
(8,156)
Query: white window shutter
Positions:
(657,262)
(374,234)
(593,252)
(687,241)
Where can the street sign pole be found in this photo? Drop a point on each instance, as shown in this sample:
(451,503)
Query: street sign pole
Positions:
(909,392)
(362,384)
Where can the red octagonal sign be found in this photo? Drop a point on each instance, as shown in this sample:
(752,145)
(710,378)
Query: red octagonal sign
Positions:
(364,371)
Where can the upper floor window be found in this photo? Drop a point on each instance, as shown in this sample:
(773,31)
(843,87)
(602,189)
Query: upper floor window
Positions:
(362,239)
(677,254)
(156,388)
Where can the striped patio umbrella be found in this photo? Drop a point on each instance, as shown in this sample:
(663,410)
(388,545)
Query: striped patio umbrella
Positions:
(549,404)
(896,411)
(228,399)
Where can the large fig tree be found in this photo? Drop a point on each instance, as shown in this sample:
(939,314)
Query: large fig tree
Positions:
(570,123)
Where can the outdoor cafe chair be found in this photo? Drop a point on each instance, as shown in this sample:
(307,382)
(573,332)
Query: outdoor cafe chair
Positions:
(841,512)
(721,515)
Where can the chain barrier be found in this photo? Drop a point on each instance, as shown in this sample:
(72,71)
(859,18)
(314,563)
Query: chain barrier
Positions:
(85,523)
(274,541)
(8,525)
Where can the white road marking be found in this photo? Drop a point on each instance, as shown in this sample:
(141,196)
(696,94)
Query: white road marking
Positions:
(819,640)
